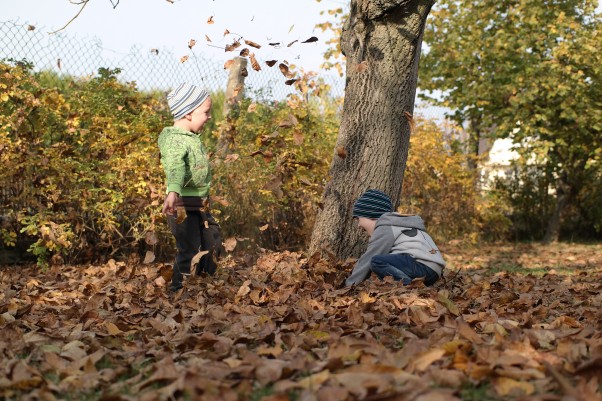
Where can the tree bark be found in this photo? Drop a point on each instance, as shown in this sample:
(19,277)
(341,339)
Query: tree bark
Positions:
(381,41)
(233,96)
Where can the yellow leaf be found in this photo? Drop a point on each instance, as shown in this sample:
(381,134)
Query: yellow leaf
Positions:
(510,387)
(112,329)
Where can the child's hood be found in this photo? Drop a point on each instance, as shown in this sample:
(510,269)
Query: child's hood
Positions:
(399,220)
(169,131)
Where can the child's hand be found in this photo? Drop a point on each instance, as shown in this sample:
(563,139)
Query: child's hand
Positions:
(169,206)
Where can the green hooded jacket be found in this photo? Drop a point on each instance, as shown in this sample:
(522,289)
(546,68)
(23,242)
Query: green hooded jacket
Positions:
(185,162)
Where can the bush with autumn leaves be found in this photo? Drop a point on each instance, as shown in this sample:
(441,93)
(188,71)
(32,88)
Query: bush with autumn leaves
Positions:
(82,180)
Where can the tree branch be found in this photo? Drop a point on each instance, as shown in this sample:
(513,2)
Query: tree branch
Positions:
(84,3)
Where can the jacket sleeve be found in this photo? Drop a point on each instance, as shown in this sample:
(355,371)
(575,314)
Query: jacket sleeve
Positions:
(173,156)
(381,242)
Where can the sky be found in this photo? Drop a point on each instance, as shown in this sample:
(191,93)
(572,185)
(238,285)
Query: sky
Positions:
(164,24)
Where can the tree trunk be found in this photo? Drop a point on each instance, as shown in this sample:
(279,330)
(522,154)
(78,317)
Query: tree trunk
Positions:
(553,228)
(233,96)
(381,41)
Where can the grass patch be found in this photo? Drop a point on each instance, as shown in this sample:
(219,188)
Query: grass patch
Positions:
(480,392)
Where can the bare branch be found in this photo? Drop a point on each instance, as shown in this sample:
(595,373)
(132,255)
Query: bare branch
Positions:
(84,3)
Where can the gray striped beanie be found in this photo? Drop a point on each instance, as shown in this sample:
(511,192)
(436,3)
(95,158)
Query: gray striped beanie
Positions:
(184,99)
(372,204)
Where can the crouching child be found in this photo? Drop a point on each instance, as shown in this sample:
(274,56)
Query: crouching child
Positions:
(399,245)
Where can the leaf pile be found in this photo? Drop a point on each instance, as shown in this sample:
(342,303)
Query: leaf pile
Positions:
(282,329)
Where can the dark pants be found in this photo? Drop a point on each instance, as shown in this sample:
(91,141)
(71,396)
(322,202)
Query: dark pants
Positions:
(192,237)
(402,267)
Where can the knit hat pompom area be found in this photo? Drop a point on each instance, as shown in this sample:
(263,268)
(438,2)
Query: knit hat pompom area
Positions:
(185,98)
(372,204)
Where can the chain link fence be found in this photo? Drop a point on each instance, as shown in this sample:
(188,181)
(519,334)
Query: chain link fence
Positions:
(151,69)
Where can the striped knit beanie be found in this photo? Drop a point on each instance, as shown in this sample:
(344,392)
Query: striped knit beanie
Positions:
(184,99)
(372,204)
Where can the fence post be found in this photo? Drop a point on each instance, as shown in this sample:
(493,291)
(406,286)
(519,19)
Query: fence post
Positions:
(234,94)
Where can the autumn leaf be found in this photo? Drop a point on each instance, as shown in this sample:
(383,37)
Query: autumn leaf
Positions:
(183,59)
(208,39)
(230,244)
(180,215)
(285,70)
(270,63)
(228,64)
(254,62)
(210,20)
(362,67)
(233,45)
(253,44)
(310,40)
(264,227)
(291,43)
(149,257)
(288,122)
(290,81)
(191,43)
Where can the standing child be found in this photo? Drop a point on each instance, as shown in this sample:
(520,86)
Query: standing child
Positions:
(188,176)
(399,244)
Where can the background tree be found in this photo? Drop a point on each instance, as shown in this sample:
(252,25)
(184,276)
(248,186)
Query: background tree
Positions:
(529,70)
(381,41)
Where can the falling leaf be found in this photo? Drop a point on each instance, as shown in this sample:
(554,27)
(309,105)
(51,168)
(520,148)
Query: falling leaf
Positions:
(291,28)
(196,259)
(210,20)
(228,64)
(289,122)
(58,63)
(271,63)
(233,46)
(183,59)
(191,43)
(230,244)
(231,158)
(155,51)
(253,44)
(285,70)
(310,40)
(244,52)
(274,43)
(151,238)
(264,227)
(149,257)
(254,62)
(290,81)
(226,32)
(170,1)
(411,121)
(208,39)
(31,27)
(341,152)
(180,215)
(292,43)
(362,67)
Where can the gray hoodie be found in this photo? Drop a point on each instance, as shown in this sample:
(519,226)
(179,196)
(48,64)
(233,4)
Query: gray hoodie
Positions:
(395,233)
